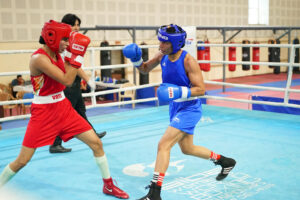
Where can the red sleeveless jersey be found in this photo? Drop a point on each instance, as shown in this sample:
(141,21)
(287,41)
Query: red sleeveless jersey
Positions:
(44,85)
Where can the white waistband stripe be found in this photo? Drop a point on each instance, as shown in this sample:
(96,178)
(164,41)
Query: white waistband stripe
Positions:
(185,99)
(53,98)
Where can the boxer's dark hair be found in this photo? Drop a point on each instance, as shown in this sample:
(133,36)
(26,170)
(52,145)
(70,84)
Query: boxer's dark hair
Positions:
(70,19)
(41,40)
(171,29)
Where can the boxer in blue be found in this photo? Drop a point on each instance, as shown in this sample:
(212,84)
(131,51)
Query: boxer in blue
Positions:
(182,83)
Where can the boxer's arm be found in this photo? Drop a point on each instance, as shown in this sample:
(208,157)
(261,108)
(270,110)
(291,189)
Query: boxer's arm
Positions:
(134,53)
(86,78)
(195,75)
(40,63)
(150,64)
(83,75)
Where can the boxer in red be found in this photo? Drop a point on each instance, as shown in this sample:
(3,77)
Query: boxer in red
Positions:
(51,113)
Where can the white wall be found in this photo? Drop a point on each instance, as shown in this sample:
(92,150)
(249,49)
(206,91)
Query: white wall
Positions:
(22,20)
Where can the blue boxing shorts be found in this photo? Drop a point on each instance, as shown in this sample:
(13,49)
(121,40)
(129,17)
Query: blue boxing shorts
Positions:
(185,115)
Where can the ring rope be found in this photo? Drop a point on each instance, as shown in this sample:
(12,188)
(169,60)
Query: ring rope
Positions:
(93,94)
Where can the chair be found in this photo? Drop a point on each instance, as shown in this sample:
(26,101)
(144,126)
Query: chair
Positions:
(24,95)
(4,88)
(4,96)
(7,88)
(20,94)
(128,93)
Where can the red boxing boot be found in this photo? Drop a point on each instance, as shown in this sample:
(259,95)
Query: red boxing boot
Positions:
(110,189)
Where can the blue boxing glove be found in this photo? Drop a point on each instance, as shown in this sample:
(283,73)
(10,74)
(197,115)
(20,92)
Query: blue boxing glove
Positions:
(134,53)
(169,92)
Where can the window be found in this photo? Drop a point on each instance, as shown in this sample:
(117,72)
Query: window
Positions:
(258,12)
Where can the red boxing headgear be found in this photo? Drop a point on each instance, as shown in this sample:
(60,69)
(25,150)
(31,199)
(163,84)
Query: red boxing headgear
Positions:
(53,32)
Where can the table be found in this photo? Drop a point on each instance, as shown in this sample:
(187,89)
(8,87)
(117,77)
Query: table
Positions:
(25,88)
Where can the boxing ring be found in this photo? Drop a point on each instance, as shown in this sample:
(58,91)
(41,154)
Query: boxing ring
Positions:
(264,144)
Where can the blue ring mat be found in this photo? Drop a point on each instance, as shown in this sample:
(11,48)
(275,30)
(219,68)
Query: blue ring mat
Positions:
(265,145)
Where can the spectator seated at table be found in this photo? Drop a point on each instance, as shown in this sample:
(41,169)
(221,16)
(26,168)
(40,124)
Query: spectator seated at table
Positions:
(18,81)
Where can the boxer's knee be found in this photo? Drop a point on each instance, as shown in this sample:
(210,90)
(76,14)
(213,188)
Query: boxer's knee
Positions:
(186,150)
(163,146)
(97,147)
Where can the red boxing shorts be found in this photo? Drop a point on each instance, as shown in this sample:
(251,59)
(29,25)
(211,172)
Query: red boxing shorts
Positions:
(53,119)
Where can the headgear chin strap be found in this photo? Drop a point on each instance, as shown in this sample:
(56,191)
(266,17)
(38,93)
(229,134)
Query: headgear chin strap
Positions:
(53,32)
(174,34)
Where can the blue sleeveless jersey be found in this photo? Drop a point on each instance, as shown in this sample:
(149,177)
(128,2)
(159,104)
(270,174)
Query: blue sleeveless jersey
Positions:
(183,115)
(174,72)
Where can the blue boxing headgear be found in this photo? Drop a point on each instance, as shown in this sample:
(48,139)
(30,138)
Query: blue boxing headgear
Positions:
(174,34)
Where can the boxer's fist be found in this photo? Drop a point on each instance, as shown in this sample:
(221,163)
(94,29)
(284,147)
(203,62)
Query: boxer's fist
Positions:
(78,44)
(134,53)
(169,92)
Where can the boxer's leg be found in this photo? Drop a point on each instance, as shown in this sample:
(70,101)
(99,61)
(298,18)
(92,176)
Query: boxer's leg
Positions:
(91,139)
(11,169)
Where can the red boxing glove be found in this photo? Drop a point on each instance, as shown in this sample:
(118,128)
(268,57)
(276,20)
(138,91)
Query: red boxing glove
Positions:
(78,44)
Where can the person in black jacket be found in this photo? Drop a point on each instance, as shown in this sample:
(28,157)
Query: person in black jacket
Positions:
(73,93)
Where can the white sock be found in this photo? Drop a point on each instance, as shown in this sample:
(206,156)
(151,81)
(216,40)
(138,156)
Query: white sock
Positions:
(103,166)
(155,177)
(6,175)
